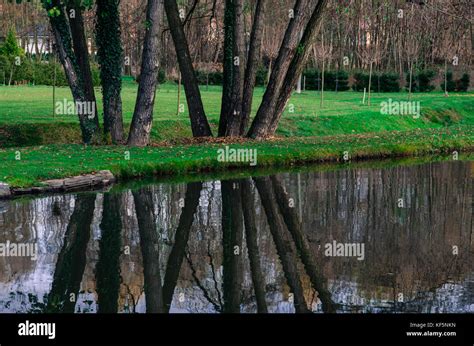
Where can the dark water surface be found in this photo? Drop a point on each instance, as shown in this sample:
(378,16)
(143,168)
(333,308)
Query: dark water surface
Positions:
(251,245)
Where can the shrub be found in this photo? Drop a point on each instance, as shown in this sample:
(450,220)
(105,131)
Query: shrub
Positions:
(336,81)
(414,83)
(261,79)
(161,76)
(95,75)
(313,81)
(4,69)
(333,80)
(463,83)
(361,81)
(450,83)
(388,82)
(215,78)
(425,78)
(44,74)
(422,81)
(381,82)
(24,73)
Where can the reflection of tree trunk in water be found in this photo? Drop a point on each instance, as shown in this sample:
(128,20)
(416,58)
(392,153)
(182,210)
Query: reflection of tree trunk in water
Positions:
(251,233)
(232,228)
(72,258)
(294,226)
(176,256)
(282,242)
(108,266)
(149,244)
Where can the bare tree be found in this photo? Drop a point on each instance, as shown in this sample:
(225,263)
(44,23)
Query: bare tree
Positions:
(199,124)
(143,115)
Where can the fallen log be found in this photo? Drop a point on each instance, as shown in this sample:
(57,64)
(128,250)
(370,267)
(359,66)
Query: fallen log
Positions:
(78,183)
(4,190)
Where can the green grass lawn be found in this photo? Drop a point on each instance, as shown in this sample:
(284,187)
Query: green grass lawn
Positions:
(49,145)
(58,161)
(26,114)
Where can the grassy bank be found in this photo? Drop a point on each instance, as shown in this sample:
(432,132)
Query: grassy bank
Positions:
(36,164)
(49,145)
(26,114)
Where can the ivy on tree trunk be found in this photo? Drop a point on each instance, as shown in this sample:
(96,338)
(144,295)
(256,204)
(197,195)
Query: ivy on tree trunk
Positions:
(110,54)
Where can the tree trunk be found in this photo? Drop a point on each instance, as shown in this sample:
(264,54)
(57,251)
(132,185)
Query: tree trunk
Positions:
(179,94)
(81,52)
(143,115)
(370,83)
(54,86)
(11,76)
(295,69)
(227,83)
(150,247)
(62,36)
(251,237)
(282,242)
(110,249)
(72,258)
(234,117)
(232,228)
(252,64)
(270,69)
(291,219)
(322,84)
(446,77)
(411,81)
(175,259)
(288,49)
(199,124)
(110,54)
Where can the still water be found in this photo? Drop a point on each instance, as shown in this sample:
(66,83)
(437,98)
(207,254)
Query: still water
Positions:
(386,239)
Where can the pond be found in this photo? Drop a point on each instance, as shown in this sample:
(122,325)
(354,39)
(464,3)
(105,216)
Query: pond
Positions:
(378,238)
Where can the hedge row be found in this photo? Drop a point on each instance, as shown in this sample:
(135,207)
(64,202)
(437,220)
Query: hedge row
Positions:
(333,80)
(381,82)
(216,78)
(461,84)
(422,81)
(38,74)
(42,73)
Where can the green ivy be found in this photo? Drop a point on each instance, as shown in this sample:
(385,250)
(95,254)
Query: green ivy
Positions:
(109,52)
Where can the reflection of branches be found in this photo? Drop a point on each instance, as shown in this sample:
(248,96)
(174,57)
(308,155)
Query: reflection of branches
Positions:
(175,259)
(131,296)
(200,285)
(251,235)
(108,266)
(282,242)
(190,13)
(149,244)
(294,226)
(232,237)
(211,262)
(71,260)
